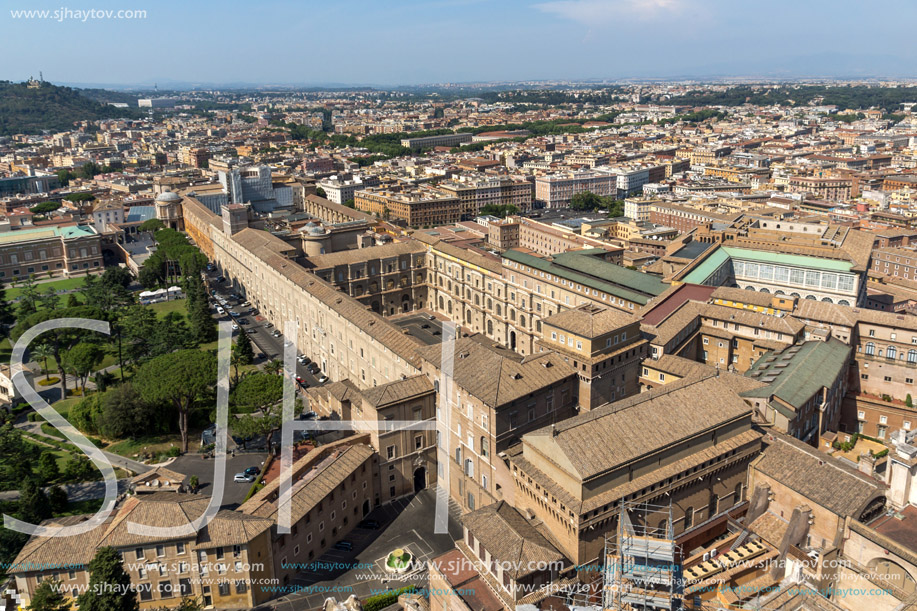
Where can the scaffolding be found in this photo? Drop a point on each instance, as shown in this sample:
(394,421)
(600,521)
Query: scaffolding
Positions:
(643,562)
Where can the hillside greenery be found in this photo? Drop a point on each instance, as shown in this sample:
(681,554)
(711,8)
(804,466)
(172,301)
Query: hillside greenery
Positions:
(49,107)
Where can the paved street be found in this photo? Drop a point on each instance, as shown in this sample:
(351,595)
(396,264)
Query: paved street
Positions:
(267,347)
(406,523)
(233,493)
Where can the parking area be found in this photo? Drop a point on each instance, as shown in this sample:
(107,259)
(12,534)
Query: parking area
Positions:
(233,493)
(267,345)
(424,327)
(406,523)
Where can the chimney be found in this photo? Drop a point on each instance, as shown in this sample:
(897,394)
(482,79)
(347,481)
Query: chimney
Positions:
(867,464)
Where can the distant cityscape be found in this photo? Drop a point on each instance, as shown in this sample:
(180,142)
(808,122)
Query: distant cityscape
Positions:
(628,346)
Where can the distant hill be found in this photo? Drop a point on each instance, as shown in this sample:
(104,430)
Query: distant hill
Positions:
(24,110)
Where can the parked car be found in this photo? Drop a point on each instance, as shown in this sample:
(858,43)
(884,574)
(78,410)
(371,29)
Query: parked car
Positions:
(245,304)
(252,471)
(344,546)
(234,314)
(268,325)
(303,360)
(251,331)
(235,327)
(323,379)
(425,326)
(369,524)
(242,321)
(243,478)
(276,333)
(220,310)
(221,279)
(309,416)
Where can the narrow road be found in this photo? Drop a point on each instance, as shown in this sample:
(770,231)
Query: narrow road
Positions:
(82,491)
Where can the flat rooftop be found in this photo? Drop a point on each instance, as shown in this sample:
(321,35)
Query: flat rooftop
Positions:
(900,526)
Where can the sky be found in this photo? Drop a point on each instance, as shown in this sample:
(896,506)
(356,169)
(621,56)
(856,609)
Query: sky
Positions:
(409,42)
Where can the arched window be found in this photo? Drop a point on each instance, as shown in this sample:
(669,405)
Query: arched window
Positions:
(689,517)
(843,302)
(870,348)
(891,353)
(827,300)
(738,494)
(912,356)
(522,321)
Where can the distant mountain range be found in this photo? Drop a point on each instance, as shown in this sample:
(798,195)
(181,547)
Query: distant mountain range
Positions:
(33,109)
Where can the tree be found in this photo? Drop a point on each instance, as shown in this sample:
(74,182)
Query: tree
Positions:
(83,359)
(33,504)
(257,397)
(274,366)
(151,225)
(242,354)
(42,352)
(320,192)
(28,298)
(7,317)
(498,210)
(65,176)
(72,300)
(350,203)
(47,467)
(908,401)
(60,340)
(109,584)
(57,499)
(124,413)
(87,414)
(79,197)
(79,469)
(181,378)
(186,604)
(45,207)
(49,299)
(89,169)
(48,597)
(203,326)
(586,200)
(15,457)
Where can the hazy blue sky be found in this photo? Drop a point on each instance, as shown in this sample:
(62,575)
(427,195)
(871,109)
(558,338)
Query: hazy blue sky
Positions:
(424,41)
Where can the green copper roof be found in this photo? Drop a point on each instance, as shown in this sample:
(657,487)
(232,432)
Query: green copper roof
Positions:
(798,372)
(24,235)
(699,274)
(581,277)
(788,259)
(713,261)
(588,263)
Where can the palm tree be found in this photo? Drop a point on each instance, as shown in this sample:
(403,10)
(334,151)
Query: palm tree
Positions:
(43,352)
(274,366)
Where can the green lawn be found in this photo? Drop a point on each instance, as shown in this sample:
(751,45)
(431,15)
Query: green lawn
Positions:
(165,307)
(152,444)
(66,284)
(63,406)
